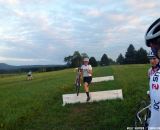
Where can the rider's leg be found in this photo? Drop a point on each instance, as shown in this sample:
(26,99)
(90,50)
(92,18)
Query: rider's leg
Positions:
(86,88)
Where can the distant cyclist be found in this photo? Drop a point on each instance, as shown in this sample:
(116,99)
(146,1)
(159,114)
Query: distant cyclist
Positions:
(86,70)
(29,75)
(154,61)
(152,38)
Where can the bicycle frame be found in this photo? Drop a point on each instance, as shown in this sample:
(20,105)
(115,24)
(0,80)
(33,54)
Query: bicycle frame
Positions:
(78,82)
(139,112)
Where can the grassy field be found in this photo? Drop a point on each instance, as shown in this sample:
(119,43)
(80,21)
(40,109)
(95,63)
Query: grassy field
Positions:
(37,104)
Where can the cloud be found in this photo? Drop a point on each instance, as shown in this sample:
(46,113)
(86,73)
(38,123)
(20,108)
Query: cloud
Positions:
(20,59)
(5,48)
(139,5)
(50,30)
(10,2)
(27,61)
(93,12)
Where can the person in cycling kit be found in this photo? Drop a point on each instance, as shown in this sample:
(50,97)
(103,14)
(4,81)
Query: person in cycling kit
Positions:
(152,39)
(86,70)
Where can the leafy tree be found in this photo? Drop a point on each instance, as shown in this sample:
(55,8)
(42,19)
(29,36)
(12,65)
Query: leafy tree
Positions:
(111,61)
(93,62)
(99,62)
(120,60)
(141,56)
(84,55)
(104,60)
(133,56)
(68,60)
(130,56)
(76,59)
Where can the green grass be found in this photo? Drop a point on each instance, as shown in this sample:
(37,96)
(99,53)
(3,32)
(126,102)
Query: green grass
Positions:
(37,104)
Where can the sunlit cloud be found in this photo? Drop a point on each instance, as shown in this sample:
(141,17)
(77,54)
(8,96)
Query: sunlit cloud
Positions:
(45,31)
(93,12)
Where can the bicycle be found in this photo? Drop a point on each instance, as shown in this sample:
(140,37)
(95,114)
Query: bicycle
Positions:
(78,84)
(143,115)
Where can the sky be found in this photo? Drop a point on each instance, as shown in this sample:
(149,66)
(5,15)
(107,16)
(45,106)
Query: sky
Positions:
(45,31)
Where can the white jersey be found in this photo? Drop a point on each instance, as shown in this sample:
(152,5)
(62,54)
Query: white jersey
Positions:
(151,71)
(155,101)
(85,69)
(30,73)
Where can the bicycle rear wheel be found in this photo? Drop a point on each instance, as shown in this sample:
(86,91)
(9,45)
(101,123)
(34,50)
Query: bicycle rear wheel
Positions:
(78,86)
(77,89)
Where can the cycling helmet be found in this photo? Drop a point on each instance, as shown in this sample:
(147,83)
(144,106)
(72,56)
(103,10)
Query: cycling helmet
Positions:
(150,55)
(86,59)
(153,33)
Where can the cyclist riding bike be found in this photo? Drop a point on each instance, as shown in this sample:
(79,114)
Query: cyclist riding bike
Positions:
(86,70)
(152,38)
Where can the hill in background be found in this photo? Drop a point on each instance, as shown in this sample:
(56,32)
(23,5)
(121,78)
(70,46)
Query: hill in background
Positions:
(5,68)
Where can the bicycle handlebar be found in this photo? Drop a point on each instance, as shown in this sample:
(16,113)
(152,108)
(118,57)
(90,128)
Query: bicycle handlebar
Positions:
(140,120)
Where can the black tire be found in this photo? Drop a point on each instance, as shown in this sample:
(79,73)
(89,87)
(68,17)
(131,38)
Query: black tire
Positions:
(77,89)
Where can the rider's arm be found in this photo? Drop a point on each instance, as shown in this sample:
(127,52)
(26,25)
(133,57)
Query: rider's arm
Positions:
(90,71)
(81,72)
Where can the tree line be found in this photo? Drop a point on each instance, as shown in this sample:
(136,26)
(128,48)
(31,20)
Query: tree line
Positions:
(76,59)
(132,56)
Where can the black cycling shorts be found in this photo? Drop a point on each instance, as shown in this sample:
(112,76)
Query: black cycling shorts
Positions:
(87,79)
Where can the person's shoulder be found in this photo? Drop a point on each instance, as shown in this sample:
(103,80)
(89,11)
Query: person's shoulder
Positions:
(82,66)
